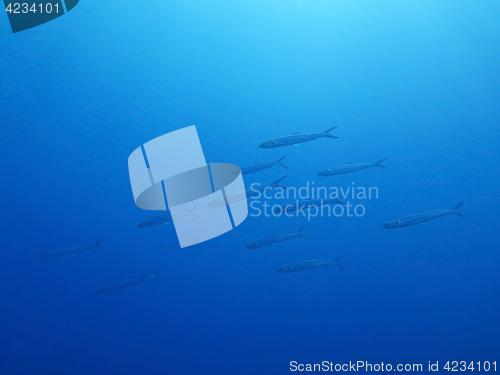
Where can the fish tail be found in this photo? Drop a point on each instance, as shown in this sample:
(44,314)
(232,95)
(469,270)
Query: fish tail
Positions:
(97,244)
(154,274)
(456,210)
(276,184)
(280,162)
(327,133)
(341,200)
(303,237)
(377,163)
(338,264)
(299,233)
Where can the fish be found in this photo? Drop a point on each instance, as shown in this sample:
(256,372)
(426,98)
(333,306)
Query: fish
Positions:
(130,283)
(72,250)
(424,217)
(257,167)
(310,264)
(308,204)
(350,168)
(160,219)
(276,238)
(247,193)
(296,138)
(165,218)
(256,190)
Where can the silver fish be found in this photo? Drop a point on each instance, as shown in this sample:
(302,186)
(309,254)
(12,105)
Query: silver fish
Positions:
(296,138)
(257,167)
(165,218)
(276,238)
(247,193)
(424,217)
(130,283)
(350,168)
(310,264)
(73,249)
(308,204)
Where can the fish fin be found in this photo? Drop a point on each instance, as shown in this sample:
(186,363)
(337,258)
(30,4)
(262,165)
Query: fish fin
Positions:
(280,162)
(154,274)
(279,180)
(276,184)
(377,163)
(340,200)
(192,209)
(302,227)
(457,211)
(303,237)
(338,264)
(327,133)
(97,244)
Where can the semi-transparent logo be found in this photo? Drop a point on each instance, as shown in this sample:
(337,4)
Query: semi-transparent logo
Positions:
(170,173)
(27,14)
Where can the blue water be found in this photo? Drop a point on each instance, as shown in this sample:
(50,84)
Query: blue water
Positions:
(413,81)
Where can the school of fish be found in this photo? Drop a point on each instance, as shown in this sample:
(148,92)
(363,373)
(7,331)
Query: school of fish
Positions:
(275,239)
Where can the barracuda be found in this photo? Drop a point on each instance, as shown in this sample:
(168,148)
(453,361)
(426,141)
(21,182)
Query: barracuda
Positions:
(424,217)
(74,249)
(310,264)
(257,167)
(307,204)
(350,168)
(296,138)
(276,238)
(165,218)
(130,283)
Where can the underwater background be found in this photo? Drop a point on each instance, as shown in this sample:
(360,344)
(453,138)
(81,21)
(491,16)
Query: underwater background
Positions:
(417,82)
